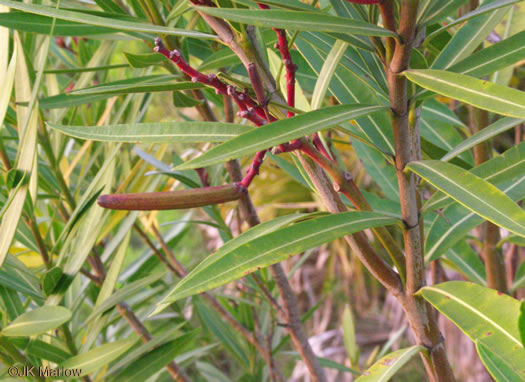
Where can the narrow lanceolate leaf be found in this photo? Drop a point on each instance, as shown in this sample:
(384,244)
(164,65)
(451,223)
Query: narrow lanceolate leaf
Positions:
(519,278)
(7,87)
(495,57)
(160,132)
(272,248)
(483,135)
(297,20)
(482,94)
(458,221)
(434,11)
(98,357)
(327,72)
(25,154)
(122,294)
(156,359)
(468,38)
(386,367)
(496,171)
(477,12)
(280,132)
(85,18)
(138,88)
(488,317)
(521,322)
(349,337)
(473,192)
(37,321)
(27,22)
(468,262)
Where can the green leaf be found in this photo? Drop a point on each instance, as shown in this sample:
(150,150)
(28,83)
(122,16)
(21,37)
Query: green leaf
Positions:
(482,94)
(473,192)
(159,132)
(483,135)
(220,59)
(386,367)
(519,278)
(98,357)
(102,21)
(50,352)
(349,337)
(130,85)
(327,72)
(468,262)
(51,279)
(15,275)
(432,11)
(8,81)
(297,20)
(269,249)
(459,221)
(521,322)
(122,294)
(352,84)
(252,234)
(487,317)
(150,363)
(42,24)
(138,88)
(144,60)
(497,170)
(280,132)
(493,58)
(499,368)
(228,336)
(37,321)
(476,12)
(182,100)
(27,126)
(468,39)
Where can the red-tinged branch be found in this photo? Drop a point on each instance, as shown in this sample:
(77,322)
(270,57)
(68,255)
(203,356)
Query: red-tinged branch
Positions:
(343,182)
(253,170)
(291,68)
(172,200)
(251,110)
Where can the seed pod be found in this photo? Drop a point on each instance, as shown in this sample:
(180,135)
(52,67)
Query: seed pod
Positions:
(171,200)
(365,1)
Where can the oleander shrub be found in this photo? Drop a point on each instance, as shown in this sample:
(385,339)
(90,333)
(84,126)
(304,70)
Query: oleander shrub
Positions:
(242,190)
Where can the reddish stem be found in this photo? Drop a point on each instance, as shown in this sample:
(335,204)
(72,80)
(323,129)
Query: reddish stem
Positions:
(291,68)
(316,140)
(249,108)
(253,170)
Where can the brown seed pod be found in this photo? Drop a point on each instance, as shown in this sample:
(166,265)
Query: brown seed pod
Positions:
(172,200)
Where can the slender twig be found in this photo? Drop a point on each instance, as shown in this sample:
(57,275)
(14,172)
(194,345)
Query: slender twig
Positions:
(216,305)
(344,183)
(138,327)
(292,315)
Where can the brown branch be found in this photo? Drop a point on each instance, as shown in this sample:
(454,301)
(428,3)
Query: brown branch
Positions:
(292,315)
(419,313)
